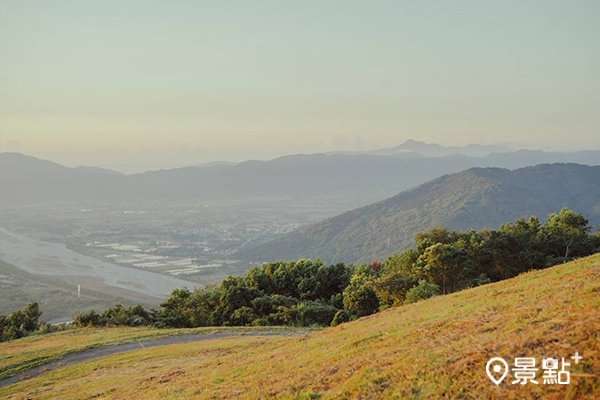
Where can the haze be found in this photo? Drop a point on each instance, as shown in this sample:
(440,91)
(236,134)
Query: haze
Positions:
(143,84)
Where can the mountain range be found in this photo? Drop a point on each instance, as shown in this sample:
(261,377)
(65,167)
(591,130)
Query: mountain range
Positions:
(476,198)
(362,178)
(416,148)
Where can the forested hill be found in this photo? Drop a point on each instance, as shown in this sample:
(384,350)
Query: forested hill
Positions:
(476,198)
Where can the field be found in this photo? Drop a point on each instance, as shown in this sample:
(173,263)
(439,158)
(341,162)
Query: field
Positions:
(431,349)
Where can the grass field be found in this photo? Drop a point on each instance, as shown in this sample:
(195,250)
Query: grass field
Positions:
(23,354)
(432,349)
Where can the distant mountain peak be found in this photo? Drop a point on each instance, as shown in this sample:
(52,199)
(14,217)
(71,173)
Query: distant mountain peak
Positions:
(411,142)
(415,145)
(437,150)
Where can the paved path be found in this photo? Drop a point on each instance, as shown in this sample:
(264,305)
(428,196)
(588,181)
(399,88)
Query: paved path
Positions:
(110,349)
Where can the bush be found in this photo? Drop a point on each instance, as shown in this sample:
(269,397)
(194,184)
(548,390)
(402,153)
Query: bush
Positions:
(422,291)
(89,318)
(341,317)
(359,296)
(315,313)
(20,323)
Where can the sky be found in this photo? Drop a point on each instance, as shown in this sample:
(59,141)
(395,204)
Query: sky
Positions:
(137,85)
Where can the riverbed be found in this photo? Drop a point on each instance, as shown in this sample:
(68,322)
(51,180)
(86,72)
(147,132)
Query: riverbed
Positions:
(55,259)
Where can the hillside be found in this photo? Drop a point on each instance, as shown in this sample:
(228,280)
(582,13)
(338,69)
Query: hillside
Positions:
(57,295)
(476,198)
(28,180)
(437,348)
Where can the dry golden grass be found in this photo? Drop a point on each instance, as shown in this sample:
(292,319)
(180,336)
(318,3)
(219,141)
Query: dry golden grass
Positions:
(32,351)
(36,350)
(432,349)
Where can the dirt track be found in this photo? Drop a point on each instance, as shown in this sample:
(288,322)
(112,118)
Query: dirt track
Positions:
(109,349)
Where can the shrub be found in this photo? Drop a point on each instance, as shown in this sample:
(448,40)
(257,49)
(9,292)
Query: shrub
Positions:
(88,318)
(359,296)
(20,323)
(422,291)
(315,313)
(341,317)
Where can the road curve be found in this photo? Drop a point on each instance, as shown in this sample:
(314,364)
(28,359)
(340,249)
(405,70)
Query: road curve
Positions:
(110,349)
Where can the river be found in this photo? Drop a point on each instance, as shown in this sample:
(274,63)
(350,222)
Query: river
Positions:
(55,259)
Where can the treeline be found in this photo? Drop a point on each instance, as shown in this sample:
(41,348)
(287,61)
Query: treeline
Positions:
(309,293)
(21,323)
(457,260)
(300,293)
(306,293)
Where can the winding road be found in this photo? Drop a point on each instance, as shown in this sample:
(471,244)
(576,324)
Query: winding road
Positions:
(110,349)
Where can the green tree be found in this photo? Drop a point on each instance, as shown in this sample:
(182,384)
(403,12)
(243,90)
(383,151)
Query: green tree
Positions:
(433,236)
(422,291)
(315,313)
(138,316)
(235,298)
(32,316)
(396,277)
(201,306)
(21,323)
(444,265)
(567,235)
(360,297)
(88,318)
(174,311)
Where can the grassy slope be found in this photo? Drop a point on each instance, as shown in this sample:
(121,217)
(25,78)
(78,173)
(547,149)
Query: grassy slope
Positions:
(430,349)
(32,351)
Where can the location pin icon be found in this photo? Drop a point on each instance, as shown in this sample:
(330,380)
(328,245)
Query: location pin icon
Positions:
(494,368)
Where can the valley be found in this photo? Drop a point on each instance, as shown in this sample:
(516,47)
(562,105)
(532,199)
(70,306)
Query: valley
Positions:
(433,349)
(194,239)
(299,200)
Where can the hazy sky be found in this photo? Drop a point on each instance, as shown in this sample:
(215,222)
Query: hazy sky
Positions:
(142,84)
